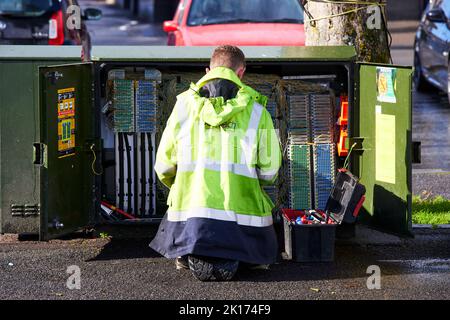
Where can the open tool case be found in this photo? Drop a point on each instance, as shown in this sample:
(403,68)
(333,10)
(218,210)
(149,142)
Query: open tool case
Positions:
(315,242)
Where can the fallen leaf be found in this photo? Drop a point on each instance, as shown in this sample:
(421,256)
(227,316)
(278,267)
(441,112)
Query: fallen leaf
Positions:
(315,289)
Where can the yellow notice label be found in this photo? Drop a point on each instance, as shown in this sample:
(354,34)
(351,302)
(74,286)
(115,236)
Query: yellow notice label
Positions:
(385,148)
(66,122)
(66,137)
(66,90)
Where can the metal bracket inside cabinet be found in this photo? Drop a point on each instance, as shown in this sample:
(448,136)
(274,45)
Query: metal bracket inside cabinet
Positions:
(40,154)
(358,141)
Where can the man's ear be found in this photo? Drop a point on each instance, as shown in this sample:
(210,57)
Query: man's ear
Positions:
(240,72)
(207,70)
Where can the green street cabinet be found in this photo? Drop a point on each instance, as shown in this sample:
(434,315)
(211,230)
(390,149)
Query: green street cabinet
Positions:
(78,140)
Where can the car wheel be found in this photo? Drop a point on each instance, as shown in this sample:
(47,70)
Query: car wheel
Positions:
(419,81)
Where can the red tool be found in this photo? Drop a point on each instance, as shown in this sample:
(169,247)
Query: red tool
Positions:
(358,206)
(110,206)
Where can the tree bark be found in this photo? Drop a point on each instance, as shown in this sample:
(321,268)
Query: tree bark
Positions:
(363,29)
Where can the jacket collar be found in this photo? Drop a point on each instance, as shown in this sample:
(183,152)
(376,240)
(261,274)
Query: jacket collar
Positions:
(220,73)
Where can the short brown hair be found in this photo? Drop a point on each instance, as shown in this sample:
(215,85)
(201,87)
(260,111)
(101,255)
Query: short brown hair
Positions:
(228,56)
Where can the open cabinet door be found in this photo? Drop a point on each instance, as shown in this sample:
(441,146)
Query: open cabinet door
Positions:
(381,134)
(67,182)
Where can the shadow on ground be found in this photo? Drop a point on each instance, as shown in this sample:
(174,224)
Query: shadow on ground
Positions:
(426,253)
(127,249)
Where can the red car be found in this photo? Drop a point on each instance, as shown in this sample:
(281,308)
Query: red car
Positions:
(237,22)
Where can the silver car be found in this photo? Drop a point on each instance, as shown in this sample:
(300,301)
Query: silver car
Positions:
(432,46)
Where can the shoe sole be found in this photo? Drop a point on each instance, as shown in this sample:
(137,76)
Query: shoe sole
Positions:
(206,269)
(225,271)
(202,269)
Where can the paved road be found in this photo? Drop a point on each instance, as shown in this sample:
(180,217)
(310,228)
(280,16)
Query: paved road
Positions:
(402,33)
(128,269)
(431,126)
(119,27)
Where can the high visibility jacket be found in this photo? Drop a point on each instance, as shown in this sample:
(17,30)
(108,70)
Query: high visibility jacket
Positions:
(215,155)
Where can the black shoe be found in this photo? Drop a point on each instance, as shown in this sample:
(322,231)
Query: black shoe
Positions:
(207,268)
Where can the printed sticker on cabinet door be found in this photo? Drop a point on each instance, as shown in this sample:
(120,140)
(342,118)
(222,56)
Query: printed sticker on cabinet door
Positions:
(66,103)
(386,84)
(66,137)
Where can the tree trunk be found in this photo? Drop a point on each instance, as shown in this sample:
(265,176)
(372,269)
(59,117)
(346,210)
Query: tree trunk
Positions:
(363,29)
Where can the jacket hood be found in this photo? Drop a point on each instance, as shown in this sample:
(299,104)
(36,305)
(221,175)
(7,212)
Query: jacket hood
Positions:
(222,96)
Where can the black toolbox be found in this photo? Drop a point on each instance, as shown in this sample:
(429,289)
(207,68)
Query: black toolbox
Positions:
(315,242)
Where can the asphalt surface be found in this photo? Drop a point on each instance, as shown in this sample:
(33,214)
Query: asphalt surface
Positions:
(431,126)
(127,269)
(119,27)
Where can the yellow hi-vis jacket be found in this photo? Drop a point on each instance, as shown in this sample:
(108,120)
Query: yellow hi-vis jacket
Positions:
(215,155)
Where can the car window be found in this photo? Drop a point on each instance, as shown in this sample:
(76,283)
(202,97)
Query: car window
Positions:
(205,12)
(25,7)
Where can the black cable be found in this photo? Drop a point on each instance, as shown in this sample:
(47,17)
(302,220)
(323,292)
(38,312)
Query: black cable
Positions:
(130,191)
(121,172)
(152,191)
(143,176)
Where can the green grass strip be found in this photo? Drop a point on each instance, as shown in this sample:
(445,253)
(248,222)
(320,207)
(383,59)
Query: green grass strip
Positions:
(432,211)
